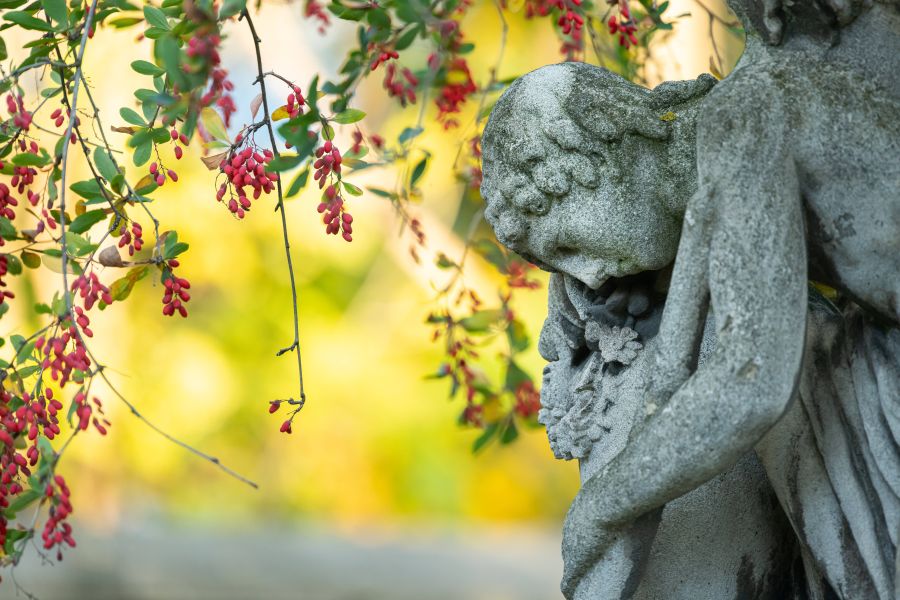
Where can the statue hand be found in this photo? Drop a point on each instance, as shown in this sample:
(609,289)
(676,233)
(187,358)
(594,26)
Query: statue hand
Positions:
(585,539)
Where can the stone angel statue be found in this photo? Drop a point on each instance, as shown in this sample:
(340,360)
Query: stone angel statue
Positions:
(725,363)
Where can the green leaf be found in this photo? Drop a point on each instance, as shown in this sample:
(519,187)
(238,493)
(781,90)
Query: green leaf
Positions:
(13,264)
(56,10)
(88,189)
(485,437)
(351,189)
(124,22)
(17,341)
(418,171)
(27,159)
(510,433)
(156,17)
(160,135)
(351,115)
(78,245)
(515,376)
(492,253)
(142,153)
(27,21)
(170,54)
(132,117)
(230,8)
(25,352)
(45,448)
(105,164)
(444,262)
(382,193)
(406,40)
(518,336)
(13,536)
(147,68)
(285,162)
(481,320)
(31,260)
(409,133)
(298,183)
(84,222)
(21,502)
(121,288)
(175,250)
(379,19)
(7,229)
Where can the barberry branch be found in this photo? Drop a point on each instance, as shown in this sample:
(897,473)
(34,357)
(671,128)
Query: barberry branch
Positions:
(267,118)
(101,370)
(131,193)
(64,152)
(39,63)
(712,19)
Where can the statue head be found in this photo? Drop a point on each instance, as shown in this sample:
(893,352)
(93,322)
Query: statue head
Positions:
(588,174)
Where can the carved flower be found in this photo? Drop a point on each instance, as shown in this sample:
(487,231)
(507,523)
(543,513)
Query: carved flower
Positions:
(616,344)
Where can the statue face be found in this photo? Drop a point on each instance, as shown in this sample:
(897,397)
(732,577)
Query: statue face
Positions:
(611,224)
(581,175)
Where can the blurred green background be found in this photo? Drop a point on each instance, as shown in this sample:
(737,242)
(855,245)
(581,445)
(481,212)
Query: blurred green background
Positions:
(377,468)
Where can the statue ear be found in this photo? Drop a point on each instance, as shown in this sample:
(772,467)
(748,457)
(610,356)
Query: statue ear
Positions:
(672,93)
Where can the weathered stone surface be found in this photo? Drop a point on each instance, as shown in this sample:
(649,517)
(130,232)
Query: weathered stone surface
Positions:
(673,383)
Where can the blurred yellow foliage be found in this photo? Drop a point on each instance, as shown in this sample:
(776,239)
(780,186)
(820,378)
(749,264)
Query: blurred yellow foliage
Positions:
(376,441)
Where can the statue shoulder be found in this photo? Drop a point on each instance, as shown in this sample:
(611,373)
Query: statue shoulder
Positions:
(744,118)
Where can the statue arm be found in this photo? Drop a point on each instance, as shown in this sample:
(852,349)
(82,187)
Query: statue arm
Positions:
(751,221)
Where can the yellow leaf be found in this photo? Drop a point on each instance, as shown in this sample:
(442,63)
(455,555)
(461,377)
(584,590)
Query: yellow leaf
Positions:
(493,410)
(457,77)
(669,116)
(128,130)
(515,6)
(213,124)
(280,114)
(145,181)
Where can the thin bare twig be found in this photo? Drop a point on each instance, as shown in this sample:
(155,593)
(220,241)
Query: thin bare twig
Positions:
(134,411)
(261,80)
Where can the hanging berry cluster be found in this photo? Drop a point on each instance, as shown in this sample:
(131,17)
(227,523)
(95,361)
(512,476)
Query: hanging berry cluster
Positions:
(245,168)
(313,9)
(21,117)
(203,50)
(570,19)
(403,89)
(328,168)
(624,25)
(176,294)
(56,529)
(133,239)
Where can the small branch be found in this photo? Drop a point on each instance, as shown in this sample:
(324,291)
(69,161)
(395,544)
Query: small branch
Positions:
(64,153)
(101,370)
(41,63)
(714,16)
(261,80)
(131,192)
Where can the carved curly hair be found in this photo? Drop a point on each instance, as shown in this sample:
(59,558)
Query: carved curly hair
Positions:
(581,109)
